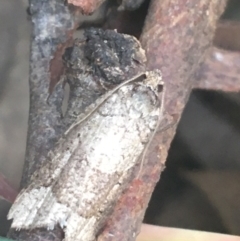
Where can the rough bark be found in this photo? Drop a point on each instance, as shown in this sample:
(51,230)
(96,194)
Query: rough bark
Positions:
(51,34)
(53,24)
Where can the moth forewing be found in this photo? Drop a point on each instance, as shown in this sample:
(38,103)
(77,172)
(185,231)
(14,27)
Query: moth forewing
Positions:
(154,81)
(91,179)
(100,101)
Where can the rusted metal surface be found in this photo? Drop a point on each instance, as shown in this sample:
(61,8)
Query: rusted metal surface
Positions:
(176,37)
(227,35)
(220,71)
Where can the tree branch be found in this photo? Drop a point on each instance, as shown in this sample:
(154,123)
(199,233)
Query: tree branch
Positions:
(53,25)
(52,32)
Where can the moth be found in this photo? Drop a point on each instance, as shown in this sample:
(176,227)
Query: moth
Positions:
(89,167)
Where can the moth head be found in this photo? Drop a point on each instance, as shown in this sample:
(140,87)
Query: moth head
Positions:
(154,81)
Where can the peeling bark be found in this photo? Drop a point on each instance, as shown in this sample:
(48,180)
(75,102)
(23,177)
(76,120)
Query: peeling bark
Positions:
(53,23)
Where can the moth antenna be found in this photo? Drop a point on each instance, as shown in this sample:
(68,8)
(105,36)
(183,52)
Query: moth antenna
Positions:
(154,132)
(111,92)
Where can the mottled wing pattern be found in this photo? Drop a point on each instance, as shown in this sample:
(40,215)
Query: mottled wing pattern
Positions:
(87,168)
